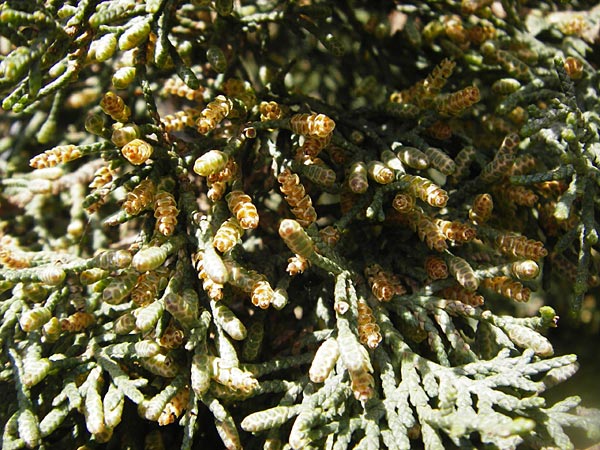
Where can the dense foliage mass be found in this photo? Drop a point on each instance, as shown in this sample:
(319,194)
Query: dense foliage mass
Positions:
(295,224)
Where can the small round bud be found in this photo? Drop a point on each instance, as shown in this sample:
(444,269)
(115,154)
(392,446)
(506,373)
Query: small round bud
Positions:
(94,124)
(216,58)
(122,135)
(137,151)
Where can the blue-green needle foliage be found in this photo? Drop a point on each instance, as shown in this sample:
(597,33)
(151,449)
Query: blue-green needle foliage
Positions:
(295,224)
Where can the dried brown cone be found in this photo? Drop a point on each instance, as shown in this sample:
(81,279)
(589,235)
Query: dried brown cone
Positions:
(459,293)
(383,284)
(297,198)
(368,330)
(436,267)
(507,287)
